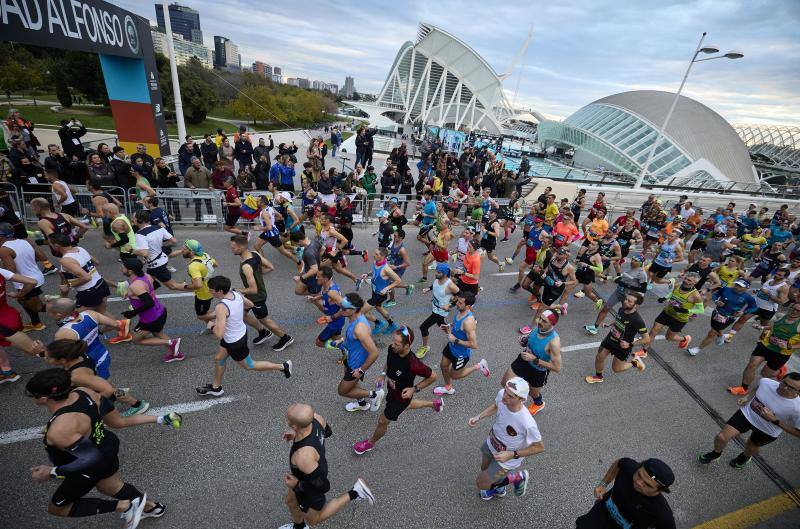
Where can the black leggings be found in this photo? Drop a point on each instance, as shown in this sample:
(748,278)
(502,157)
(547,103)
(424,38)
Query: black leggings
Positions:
(433,319)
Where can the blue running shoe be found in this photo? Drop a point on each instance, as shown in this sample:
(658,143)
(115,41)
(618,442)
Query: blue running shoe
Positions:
(487,494)
(379,327)
(390,329)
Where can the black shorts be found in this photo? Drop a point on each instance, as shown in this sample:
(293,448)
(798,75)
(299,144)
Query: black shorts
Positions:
(489,245)
(377,299)
(161,273)
(237,350)
(312,500)
(274,240)
(334,258)
(649,237)
(394,408)
(614,348)
(658,270)
(764,314)
(232,218)
(625,249)
(202,306)
(155,326)
(671,323)
(699,244)
(312,285)
(71,209)
(718,325)
(260,310)
(33,294)
(535,277)
(551,294)
(740,422)
(534,377)
(348,373)
(457,362)
(78,486)
(775,360)
(585,276)
(92,297)
(467,287)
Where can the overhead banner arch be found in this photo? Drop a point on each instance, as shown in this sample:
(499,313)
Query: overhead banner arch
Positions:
(122,40)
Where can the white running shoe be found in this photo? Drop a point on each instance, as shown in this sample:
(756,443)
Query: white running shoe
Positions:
(375,404)
(133,515)
(290,525)
(363,491)
(355,406)
(442,390)
(693,351)
(483,367)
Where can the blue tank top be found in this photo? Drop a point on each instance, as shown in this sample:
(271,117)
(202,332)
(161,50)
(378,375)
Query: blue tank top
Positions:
(378,282)
(394,254)
(459,351)
(667,254)
(354,352)
(88,331)
(537,345)
(533,240)
(328,306)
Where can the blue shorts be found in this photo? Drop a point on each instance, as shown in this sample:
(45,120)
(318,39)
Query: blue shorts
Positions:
(332,329)
(102,364)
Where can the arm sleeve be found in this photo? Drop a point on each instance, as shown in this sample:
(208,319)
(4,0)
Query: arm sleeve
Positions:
(147,303)
(123,240)
(697,308)
(86,456)
(313,483)
(6,273)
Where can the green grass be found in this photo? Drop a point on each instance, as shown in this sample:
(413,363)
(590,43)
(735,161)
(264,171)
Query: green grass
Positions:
(346,134)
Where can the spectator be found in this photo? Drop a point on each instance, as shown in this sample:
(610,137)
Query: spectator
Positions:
(100,170)
(289,150)
(28,172)
(185,154)
(147,160)
(227,154)
(284,174)
(198,177)
(209,151)
(524,165)
(389,181)
(218,139)
(262,149)
(314,156)
(121,168)
(336,140)
(166,178)
(70,133)
(56,161)
(261,172)
(243,150)
(105,152)
(245,181)
(25,127)
(220,173)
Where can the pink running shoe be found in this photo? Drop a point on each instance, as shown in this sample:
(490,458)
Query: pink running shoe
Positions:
(174,347)
(362,447)
(483,367)
(563,309)
(169,357)
(438,405)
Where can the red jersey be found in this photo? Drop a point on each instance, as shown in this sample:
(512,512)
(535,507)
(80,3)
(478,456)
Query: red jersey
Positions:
(401,372)
(232,195)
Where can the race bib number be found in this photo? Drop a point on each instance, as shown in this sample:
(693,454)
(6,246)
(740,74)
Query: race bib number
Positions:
(778,342)
(616,333)
(720,318)
(675,303)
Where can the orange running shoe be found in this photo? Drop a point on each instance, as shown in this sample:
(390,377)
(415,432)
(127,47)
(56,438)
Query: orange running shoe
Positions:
(640,354)
(737,390)
(781,373)
(123,328)
(120,339)
(683,344)
(535,408)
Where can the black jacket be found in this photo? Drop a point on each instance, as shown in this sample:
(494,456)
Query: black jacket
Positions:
(209,152)
(68,137)
(263,150)
(243,152)
(122,173)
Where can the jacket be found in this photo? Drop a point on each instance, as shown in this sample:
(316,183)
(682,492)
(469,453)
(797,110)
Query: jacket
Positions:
(263,150)
(70,140)
(185,155)
(243,151)
(199,178)
(121,170)
(209,152)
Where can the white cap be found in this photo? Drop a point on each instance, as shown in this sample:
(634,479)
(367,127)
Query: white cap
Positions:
(286,195)
(518,387)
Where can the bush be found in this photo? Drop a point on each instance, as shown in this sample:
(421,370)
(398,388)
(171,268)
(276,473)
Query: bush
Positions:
(63,94)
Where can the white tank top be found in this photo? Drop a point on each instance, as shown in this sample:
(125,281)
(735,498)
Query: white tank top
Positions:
(69,200)
(234,324)
(765,303)
(440,297)
(329,241)
(84,261)
(25,261)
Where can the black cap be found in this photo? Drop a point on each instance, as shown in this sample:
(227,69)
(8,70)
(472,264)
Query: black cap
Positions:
(659,471)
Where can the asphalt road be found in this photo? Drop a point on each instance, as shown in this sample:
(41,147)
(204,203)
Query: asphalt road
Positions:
(223,468)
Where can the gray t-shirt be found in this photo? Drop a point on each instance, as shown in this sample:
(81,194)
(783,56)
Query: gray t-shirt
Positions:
(311,254)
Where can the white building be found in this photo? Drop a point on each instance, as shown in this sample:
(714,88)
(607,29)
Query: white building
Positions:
(184,49)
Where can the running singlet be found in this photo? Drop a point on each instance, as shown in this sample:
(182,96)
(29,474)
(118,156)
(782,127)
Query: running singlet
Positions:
(459,351)
(154,312)
(625,328)
(60,225)
(727,275)
(533,241)
(401,372)
(354,351)
(316,440)
(667,254)
(537,345)
(235,328)
(272,232)
(624,237)
(129,246)
(378,281)
(84,260)
(702,272)
(488,232)
(782,335)
(87,330)
(258,276)
(394,256)
(25,261)
(152,237)
(202,266)
(554,274)
(763,299)
(679,305)
(329,308)
(440,297)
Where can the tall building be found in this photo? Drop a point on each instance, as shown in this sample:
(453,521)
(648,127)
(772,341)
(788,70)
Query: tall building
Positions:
(184,49)
(318,85)
(293,81)
(185,21)
(226,54)
(276,77)
(332,88)
(277,70)
(260,69)
(267,71)
(349,87)
(303,83)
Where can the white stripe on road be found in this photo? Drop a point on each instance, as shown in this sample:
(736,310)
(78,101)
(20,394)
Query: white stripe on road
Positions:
(28,434)
(590,345)
(505,273)
(160,296)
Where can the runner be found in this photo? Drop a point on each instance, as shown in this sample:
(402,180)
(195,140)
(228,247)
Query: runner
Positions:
(62,194)
(443,290)
(682,303)
(305,282)
(670,252)
(768,408)
(251,270)
(611,252)
(731,303)
(628,236)
(437,250)
(532,243)
(636,500)
(558,276)
(121,230)
(622,338)
(79,271)
(469,274)
(399,263)
(333,242)
(490,232)
(461,340)
(19,256)
(384,279)
(360,353)
(200,268)
(541,355)
(83,453)
(589,263)
(774,348)
(308,481)
(332,316)
(232,201)
(401,369)
(152,314)
(11,327)
(50,222)
(99,200)
(709,280)
(229,327)
(634,280)
(772,295)
(150,242)
(385,229)
(514,436)
(270,231)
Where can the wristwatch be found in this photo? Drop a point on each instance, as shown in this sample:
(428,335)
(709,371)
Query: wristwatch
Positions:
(416,389)
(776,422)
(516,455)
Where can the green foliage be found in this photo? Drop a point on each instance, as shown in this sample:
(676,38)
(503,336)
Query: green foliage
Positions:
(63,94)
(268,102)
(83,73)
(197,95)
(19,69)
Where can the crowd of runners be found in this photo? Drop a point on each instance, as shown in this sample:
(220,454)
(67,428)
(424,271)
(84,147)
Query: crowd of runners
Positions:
(741,264)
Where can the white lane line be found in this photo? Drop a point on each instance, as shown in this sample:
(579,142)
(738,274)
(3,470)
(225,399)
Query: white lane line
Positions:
(28,434)
(505,273)
(590,345)
(159,296)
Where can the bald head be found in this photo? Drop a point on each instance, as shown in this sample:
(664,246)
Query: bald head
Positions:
(40,205)
(61,307)
(300,415)
(111,210)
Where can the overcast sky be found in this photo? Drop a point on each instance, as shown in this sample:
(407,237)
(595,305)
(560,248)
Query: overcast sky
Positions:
(580,51)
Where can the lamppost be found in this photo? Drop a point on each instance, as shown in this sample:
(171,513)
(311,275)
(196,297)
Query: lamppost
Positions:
(708,49)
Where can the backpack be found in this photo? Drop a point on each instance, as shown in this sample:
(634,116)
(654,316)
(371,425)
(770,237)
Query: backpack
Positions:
(209,262)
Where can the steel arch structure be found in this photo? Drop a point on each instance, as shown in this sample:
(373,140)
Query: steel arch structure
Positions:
(776,145)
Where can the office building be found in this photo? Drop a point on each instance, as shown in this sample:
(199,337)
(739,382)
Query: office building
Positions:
(292,81)
(260,69)
(184,49)
(226,54)
(277,70)
(332,88)
(349,87)
(184,21)
(277,78)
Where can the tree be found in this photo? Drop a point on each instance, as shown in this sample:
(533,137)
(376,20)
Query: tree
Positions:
(19,69)
(257,103)
(197,96)
(63,94)
(83,73)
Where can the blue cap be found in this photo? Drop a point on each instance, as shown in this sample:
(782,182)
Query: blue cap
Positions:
(382,213)
(638,257)
(443,268)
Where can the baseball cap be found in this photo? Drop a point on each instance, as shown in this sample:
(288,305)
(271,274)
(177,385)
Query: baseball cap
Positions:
(194,246)
(394,200)
(659,471)
(517,386)
(382,213)
(286,195)
(744,283)
(442,268)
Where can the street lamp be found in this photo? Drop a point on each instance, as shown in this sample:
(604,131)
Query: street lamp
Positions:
(707,49)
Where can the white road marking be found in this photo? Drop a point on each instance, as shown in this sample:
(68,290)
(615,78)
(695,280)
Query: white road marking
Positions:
(590,345)
(159,296)
(505,273)
(28,434)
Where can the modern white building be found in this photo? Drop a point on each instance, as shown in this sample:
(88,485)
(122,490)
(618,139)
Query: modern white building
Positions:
(698,149)
(184,49)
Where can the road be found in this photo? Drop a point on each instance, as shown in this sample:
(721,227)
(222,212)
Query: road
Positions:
(223,468)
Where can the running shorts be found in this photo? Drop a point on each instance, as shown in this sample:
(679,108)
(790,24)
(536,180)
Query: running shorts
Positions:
(92,297)
(274,240)
(10,324)
(155,326)
(331,330)
(161,273)
(530,255)
(440,254)
(659,271)
(77,486)
(348,373)
(720,322)
(614,348)
(394,408)
(671,323)
(377,299)
(536,378)
(237,350)
(260,310)
(775,360)
(201,306)
(459,362)
(742,425)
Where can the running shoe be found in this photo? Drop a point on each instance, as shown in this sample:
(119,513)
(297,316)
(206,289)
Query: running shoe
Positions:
(422,351)
(389,303)
(329,345)
(444,390)
(263,336)
(526,329)
(740,461)
(283,343)
(362,447)
(708,457)
(487,494)
(593,379)
(172,268)
(509,260)
(598,305)
(728,336)
(781,373)
(173,420)
(175,347)
(757,326)
(365,256)
(156,512)
(409,289)
(504,239)
(210,391)
(432,266)
(136,410)
(638,363)
(515,288)
(737,390)
(28,327)
(501,268)
(562,309)
(133,515)
(390,329)
(534,408)
(358,284)
(671,282)
(641,353)
(122,288)
(169,357)
(500,492)
(375,404)
(483,367)
(120,339)
(287,368)
(355,406)
(693,351)
(290,525)
(521,483)
(123,327)
(8,376)
(720,340)
(438,405)
(579,294)
(47,270)
(683,344)
(591,329)
(363,491)
(422,280)
(379,326)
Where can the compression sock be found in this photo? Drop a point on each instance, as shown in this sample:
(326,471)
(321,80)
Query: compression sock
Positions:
(745,386)
(538,400)
(91,507)
(127,492)
(373,394)
(353,494)
(34,316)
(356,252)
